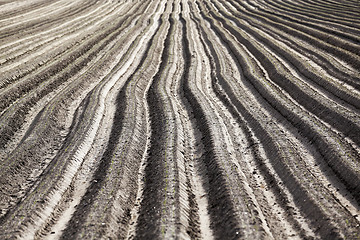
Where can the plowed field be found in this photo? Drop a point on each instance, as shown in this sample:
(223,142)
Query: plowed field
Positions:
(180,119)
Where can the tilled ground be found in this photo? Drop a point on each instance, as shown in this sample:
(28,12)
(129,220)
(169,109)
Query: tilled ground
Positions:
(179,119)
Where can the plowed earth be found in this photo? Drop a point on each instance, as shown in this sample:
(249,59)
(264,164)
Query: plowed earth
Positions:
(179,119)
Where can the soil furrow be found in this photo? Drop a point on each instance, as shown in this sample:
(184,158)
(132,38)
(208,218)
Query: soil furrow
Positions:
(19,54)
(321,41)
(319,142)
(226,202)
(46,81)
(157,214)
(125,141)
(41,128)
(302,14)
(352,80)
(205,119)
(7,12)
(286,83)
(28,26)
(252,142)
(277,157)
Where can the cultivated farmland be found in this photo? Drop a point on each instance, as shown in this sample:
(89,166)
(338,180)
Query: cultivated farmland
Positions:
(180,119)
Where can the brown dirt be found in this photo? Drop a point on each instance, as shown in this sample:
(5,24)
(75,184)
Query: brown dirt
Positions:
(179,119)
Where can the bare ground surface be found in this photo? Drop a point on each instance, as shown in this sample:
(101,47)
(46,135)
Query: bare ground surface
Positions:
(179,119)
